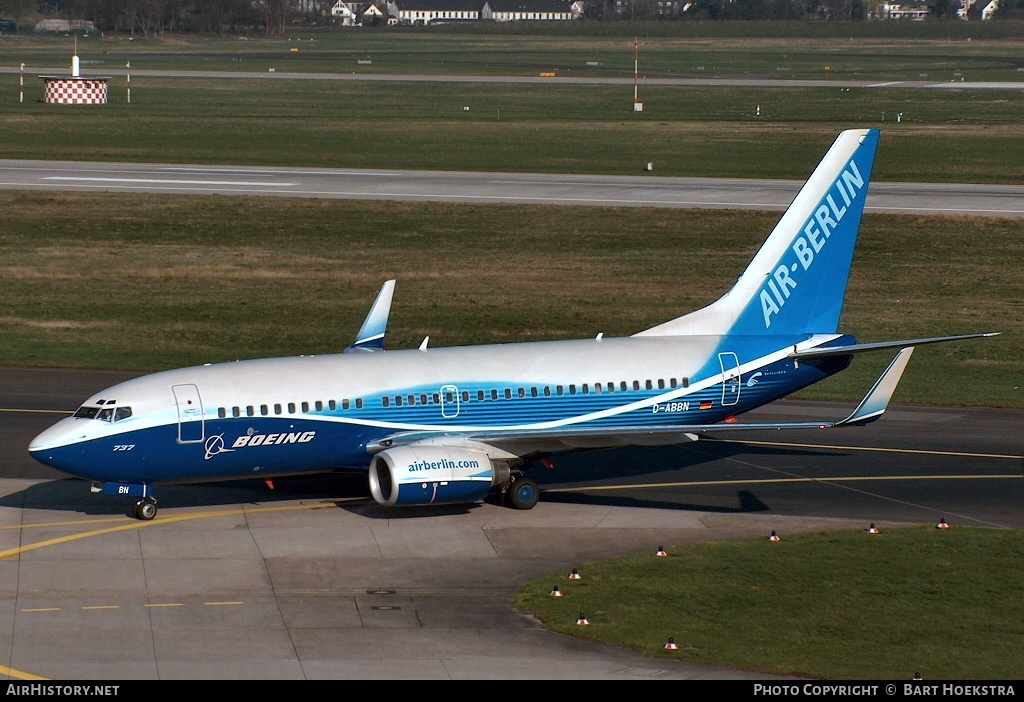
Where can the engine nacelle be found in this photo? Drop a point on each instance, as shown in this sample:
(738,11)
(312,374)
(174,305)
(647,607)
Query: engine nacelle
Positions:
(433,474)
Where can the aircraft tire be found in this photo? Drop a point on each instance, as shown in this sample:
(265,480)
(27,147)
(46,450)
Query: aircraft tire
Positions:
(523,494)
(145,509)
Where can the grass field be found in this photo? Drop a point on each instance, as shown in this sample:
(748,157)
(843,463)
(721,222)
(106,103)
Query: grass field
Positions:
(943,135)
(838,605)
(151,282)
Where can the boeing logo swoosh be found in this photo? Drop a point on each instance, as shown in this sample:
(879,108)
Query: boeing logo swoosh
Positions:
(215,445)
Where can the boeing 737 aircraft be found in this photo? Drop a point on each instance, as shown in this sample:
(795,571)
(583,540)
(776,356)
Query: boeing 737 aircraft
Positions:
(442,425)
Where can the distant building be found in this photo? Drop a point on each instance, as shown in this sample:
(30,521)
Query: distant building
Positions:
(433,11)
(973,10)
(904,11)
(347,12)
(531,10)
(61,25)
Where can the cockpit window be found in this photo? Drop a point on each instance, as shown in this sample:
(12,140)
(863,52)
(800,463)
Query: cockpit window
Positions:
(104,414)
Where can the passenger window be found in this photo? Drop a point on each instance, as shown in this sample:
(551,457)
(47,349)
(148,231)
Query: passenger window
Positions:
(277,408)
(222,412)
(661,383)
(305,406)
(291,408)
(359,403)
(344,404)
(398,400)
(480,395)
(686,382)
(250,411)
(648,384)
(319,405)
(508,393)
(465,396)
(572,389)
(264,410)
(586,389)
(236,412)
(385,401)
(494,394)
(672,382)
(332,404)
(547,391)
(424,400)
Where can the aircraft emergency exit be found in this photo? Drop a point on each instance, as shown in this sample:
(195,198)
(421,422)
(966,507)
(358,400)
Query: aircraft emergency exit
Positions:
(442,425)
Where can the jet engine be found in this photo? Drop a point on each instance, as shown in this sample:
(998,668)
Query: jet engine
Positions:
(433,474)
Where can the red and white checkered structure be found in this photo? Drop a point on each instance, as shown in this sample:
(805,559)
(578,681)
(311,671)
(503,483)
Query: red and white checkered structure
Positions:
(68,90)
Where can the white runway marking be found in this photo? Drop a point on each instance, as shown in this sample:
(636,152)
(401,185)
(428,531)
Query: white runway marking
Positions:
(162,181)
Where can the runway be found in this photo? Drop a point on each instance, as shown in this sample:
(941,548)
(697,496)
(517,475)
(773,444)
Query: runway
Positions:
(314,581)
(621,191)
(445,186)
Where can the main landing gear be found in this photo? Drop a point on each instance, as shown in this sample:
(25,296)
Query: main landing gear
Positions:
(520,493)
(144,509)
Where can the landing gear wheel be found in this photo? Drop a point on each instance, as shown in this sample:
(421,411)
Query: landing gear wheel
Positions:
(145,509)
(522,494)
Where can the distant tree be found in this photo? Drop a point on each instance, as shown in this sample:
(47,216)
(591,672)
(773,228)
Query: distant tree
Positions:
(1009,9)
(943,9)
(704,10)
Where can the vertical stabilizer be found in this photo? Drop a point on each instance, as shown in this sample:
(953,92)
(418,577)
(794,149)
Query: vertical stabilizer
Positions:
(796,282)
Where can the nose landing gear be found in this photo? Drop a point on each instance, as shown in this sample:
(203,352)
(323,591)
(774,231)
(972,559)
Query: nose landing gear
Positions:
(144,509)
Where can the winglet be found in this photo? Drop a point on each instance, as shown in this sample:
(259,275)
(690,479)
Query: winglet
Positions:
(371,334)
(877,399)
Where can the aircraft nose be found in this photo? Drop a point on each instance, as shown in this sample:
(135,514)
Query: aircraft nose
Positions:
(45,447)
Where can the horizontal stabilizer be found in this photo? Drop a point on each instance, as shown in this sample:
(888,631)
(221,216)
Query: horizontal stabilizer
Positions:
(375,326)
(821,352)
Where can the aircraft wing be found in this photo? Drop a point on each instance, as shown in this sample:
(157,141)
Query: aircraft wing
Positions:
(519,444)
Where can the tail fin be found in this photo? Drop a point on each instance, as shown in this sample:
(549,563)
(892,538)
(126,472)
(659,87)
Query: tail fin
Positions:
(796,282)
